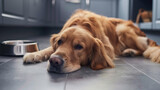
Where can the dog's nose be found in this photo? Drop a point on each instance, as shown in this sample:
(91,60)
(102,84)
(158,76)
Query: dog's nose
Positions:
(56,61)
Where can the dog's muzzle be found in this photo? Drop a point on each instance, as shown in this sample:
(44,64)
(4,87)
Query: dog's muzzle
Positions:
(56,63)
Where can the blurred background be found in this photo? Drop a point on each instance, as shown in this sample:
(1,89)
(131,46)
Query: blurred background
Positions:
(20,19)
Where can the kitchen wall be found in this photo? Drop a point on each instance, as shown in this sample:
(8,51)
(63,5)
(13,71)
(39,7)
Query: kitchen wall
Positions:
(19,17)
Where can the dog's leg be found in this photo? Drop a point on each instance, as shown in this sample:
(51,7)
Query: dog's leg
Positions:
(152,52)
(132,37)
(39,56)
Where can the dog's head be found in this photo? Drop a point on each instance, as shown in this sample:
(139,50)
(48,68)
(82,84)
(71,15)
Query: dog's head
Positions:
(74,47)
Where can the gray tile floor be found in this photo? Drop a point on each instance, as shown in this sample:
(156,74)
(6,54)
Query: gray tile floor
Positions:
(134,73)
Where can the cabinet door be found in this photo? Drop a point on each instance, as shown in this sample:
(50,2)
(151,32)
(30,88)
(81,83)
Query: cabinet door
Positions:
(13,12)
(102,7)
(156,14)
(37,10)
(65,8)
(123,9)
(0,12)
(50,12)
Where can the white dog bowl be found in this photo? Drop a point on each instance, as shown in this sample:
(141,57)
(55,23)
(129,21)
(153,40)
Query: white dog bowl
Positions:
(18,47)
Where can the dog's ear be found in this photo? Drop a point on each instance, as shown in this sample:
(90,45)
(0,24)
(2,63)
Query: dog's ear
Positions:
(100,59)
(53,41)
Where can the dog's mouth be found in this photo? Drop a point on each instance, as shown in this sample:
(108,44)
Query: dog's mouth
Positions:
(52,69)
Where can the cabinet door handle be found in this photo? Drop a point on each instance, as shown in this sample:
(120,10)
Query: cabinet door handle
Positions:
(87,2)
(73,1)
(53,2)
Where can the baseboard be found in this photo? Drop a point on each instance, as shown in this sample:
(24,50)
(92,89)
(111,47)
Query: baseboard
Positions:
(19,32)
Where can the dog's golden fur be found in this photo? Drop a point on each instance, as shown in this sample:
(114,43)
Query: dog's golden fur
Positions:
(102,39)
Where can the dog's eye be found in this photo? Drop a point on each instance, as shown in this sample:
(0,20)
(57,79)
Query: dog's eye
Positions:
(59,42)
(78,47)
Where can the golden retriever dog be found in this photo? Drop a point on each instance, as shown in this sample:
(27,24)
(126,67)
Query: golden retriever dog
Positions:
(93,40)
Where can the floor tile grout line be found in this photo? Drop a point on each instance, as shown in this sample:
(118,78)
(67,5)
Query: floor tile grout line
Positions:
(120,64)
(6,62)
(65,85)
(142,72)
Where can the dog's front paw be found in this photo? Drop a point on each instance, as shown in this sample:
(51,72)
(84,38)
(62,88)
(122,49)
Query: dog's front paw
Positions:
(32,58)
(153,53)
